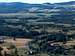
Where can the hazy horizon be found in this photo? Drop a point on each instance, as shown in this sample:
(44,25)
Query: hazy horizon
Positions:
(36,1)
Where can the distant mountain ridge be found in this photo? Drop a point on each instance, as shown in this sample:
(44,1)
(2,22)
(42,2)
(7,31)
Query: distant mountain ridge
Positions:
(14,7)
(66,3)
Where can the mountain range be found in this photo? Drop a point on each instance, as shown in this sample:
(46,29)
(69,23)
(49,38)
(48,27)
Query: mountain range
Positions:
(14,22)
(15,7)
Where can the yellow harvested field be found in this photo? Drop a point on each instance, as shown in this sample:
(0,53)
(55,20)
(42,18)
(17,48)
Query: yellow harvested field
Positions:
(70,43)
(19,42)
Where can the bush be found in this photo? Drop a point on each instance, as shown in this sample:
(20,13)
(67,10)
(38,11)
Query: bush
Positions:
(12,47)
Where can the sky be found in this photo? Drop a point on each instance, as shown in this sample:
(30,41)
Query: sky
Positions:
(36,1)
